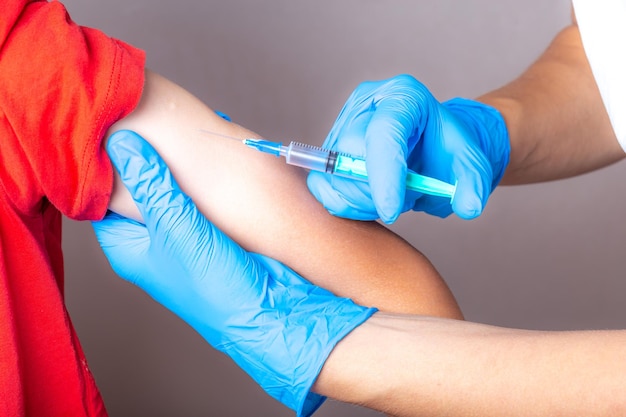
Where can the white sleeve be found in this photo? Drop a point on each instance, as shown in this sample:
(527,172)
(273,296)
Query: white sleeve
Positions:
(602,25)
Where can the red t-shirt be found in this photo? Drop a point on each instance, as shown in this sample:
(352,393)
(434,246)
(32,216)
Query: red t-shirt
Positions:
(61,87)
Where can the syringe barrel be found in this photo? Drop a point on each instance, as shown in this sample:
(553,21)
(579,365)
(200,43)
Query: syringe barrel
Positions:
(310,157)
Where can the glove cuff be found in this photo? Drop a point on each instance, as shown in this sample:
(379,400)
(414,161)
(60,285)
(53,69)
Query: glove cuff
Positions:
(284,341)
(308,401)
(291,349)
(489,127)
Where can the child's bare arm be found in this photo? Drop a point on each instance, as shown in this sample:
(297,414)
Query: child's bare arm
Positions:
(266,207)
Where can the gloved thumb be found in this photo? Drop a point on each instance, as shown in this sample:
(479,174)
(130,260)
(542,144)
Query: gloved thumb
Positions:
(342,197)
(146,176)
(174,223)
(472,191)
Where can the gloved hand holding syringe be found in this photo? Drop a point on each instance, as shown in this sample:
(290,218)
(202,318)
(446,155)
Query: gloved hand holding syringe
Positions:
(323,160)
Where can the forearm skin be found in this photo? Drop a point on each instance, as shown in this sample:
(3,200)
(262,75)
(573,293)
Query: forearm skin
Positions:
(557,123)
(430,367)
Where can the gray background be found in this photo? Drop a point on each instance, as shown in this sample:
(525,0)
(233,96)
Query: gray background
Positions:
(542,257)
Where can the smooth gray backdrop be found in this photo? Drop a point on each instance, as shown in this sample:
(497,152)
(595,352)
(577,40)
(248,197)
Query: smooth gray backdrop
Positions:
(544,256)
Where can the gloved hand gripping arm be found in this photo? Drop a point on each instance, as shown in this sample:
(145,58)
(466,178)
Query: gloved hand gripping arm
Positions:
(274,324)
(397,125)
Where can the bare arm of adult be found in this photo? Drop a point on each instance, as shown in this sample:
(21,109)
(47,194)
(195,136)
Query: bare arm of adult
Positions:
(266,207)
(558,125)
(428,367)
(432,367)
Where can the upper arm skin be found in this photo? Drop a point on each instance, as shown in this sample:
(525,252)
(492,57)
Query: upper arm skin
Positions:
(265,206)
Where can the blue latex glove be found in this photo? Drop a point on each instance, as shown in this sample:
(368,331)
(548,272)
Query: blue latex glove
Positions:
(397,125)
(274,324)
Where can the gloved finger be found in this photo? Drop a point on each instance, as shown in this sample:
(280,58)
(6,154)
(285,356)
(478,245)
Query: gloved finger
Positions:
(144,174)
(342,197)
(115,229)
(166,210)
(153,188)
(170,216)
(390,137)
(472,188)
(121,238)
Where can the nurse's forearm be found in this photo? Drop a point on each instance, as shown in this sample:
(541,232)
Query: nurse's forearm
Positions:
(431,367)
(557,122)
(266,207)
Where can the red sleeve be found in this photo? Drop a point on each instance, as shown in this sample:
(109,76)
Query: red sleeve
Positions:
(61,87)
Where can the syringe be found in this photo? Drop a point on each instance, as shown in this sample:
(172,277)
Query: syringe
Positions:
(336,163)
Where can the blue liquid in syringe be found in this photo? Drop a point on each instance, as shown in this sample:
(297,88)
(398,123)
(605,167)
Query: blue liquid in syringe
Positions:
(319,159)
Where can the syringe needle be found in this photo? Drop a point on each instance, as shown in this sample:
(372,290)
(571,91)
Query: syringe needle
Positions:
(220,134)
